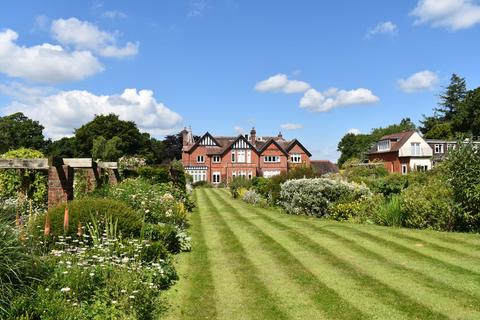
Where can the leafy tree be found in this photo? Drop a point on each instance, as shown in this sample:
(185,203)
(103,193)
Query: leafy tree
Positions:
(106,150)
(64,148)
(173,145)
(447,118)
(450,100)
(18,131)
(467,118)
(440,131)
(353,146)
(109,126)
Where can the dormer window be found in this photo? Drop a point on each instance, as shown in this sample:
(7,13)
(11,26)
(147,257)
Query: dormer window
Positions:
(383,145)
(200,159)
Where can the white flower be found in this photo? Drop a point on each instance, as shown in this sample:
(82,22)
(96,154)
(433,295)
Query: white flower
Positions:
(131,297)
(66,289)
(92,274)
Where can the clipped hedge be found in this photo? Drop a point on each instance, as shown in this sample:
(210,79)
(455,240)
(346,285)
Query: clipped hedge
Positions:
(129,222)
(314,197)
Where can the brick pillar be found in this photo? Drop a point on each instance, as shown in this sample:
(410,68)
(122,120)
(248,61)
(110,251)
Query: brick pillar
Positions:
(60,184)
(93,178)
(113,176)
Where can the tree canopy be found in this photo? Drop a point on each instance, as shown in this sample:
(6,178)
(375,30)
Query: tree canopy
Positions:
(18,131)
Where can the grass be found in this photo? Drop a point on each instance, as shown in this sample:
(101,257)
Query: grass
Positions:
(252,263)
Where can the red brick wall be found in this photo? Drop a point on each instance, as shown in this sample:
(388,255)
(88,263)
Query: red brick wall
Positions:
(226,166)
(297,150)
(273,150)
(391,161)
(60,185)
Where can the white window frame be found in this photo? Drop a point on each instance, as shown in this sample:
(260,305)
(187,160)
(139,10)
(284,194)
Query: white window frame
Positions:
(241,156)
(438,148)
(198,175)
(200,159)
(216,177)
(296,158)
(383,145)
(233,156)
(404,168)
(416,149)
(249,156)
(271,159)
(216,159)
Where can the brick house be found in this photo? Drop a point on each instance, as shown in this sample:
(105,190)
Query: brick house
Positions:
(220,159)
(403,152)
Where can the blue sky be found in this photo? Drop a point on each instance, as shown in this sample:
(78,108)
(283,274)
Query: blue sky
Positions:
(228,65)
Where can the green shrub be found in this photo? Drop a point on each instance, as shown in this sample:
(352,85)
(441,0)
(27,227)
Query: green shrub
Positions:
(158,203)
(175,239)
(388,185)
(237,184)
(356,171)
(314,196)
(431,205)
(361,210)
(17,266)
(155,174)
(89,210)
(202,184)
(255,199)
(390,213)
(463,172)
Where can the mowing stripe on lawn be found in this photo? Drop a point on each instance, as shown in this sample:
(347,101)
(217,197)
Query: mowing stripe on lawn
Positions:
(294,297)
(260,301)
(199,302)
(229,294)
(402,247)
(458,253)
(324,298)
(426,280)
(382,292)
(454,238)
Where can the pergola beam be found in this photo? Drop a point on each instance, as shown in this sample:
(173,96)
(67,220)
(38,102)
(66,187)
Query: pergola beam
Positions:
(34,164)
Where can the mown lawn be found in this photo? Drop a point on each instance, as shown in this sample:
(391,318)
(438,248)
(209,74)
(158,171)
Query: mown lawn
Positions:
(251,263)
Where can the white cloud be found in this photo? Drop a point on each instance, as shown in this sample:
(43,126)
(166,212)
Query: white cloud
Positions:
(420,81)
(45,63)
(386,28)
(63,111)
(332,98)
(291,126)
(354,131)
(450,14)
(280,82)
(84,35)
(238,130)
(113,14)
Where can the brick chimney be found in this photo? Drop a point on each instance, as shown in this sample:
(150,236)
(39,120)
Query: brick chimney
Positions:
(187,137)
(253,135)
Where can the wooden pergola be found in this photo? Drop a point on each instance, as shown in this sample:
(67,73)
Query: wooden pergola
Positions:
(61,172)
